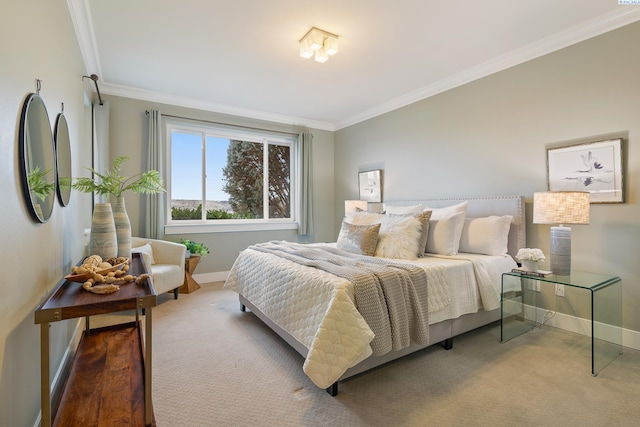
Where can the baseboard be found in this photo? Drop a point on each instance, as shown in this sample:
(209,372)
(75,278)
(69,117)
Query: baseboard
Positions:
(217,276)
(630,338)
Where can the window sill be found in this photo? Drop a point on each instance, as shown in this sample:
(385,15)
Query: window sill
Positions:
(228,227)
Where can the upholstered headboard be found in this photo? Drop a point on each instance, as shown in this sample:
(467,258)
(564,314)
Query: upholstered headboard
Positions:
(486,206)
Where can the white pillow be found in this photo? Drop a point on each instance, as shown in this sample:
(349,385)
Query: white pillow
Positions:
(487,235)
(147,253)
(444,234)
(437,213)
(401,210)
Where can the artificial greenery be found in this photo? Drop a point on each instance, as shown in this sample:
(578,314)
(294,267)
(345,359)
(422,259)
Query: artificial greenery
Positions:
(38,185)
(112,183)
(195,248)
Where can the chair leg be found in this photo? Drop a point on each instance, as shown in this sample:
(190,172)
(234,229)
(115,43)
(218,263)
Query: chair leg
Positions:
(175,293)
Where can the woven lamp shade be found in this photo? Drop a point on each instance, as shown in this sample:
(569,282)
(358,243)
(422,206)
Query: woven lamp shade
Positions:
(355,206)
(561,207)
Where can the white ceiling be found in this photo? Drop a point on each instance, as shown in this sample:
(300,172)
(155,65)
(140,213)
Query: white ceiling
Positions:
(241,57)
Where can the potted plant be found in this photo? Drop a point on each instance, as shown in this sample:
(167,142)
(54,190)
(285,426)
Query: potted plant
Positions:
(112,183)
(194,248)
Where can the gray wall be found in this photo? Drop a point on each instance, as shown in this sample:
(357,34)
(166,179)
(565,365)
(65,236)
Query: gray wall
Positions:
(128,136)
(486,138)
(38,41)
(489,137)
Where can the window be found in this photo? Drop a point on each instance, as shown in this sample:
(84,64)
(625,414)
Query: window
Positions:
(223,175)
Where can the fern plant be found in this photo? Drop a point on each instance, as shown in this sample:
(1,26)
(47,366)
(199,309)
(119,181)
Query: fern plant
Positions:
(112,183)
(38,185)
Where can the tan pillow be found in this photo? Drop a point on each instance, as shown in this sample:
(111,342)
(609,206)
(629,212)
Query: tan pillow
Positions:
(359,239)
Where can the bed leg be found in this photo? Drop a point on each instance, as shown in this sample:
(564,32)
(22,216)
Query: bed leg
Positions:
(243,307)
(448,344)
(333,389)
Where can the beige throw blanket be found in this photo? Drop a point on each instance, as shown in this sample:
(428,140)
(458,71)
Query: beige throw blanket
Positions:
(390,295)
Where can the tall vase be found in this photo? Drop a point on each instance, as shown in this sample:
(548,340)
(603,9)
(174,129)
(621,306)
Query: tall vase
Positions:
(103,239)
(123,228)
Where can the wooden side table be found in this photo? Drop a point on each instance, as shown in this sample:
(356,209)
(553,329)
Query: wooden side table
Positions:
(189,285)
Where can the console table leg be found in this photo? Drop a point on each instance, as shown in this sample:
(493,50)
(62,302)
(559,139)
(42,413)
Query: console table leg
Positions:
(148,412)
(45,395)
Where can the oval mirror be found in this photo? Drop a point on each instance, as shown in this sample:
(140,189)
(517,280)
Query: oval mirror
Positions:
(63,159)
(37,158)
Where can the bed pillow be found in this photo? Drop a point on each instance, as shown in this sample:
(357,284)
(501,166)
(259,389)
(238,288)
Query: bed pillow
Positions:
(358,239)
(487,235)
(401,210)
(402,236)
(437,213)
(147,253)
(444,234)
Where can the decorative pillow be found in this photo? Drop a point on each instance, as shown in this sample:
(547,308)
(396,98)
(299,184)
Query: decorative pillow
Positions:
(147,253)
(487,235)
(363,218)
(359,239)
(425,218)
(400,237)
(444,234)
(401,210)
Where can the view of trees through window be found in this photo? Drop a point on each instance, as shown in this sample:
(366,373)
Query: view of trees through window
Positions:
(231,178)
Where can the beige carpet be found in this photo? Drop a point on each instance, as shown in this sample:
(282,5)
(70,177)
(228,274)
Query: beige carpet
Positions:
(217,366)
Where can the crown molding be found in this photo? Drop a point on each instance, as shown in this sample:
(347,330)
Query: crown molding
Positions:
(571,36)
(81,17)
(198,104)
(80,13)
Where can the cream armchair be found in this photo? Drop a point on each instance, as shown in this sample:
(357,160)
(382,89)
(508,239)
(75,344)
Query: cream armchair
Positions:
(166,261)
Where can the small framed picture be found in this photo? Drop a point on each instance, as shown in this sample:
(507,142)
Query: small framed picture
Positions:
(370,185)
(595,167)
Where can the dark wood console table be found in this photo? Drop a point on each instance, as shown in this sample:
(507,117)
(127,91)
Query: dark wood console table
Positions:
(69,301)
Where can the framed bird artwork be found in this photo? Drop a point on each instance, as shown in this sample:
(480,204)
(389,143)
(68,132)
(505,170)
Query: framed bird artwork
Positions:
(595,167)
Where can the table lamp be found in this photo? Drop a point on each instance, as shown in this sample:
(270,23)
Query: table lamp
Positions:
(561,207)
(355,206)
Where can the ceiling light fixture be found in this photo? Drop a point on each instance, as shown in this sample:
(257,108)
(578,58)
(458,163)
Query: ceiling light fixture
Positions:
(318,43)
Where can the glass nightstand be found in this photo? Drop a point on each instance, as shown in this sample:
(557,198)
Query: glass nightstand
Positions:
(519,306)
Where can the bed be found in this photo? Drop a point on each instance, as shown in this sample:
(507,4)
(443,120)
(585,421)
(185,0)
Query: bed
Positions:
(311,297)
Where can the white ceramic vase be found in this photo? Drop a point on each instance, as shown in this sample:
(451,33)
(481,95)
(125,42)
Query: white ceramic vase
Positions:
(103,239)
(530,265)
(123,228)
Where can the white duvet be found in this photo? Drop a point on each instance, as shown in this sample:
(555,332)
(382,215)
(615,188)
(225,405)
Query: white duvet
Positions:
(318,309)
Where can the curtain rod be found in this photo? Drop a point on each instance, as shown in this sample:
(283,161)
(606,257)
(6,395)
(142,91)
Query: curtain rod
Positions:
(225,124)
(95,81)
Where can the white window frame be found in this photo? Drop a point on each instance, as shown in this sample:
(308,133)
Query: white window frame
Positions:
(232,225)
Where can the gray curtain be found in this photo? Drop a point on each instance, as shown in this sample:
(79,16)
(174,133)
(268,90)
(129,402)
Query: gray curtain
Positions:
(154,203)
(305,222)
(101,161)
